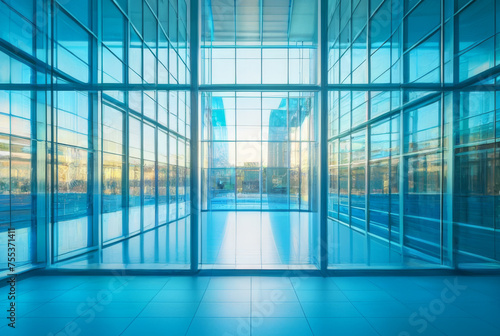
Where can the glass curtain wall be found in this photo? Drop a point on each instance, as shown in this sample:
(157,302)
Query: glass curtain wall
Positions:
(256,150)
(412,171)
(259,135)
(98,165)
(19,176)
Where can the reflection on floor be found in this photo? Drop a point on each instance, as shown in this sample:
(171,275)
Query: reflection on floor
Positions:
(165,247)
(205,306)
(255,239)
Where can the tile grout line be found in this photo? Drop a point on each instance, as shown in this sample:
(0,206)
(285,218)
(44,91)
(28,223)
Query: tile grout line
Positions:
(49,301)
(199,304)
(363,316)
(406,304)
(72,320)
(251,303)
(147,304)
(302,308)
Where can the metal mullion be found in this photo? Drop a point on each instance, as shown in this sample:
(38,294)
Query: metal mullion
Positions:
(368,128)
(156,131)
(323,28)
(95,152)
(299,141)
(261,174)
(235,50)
(442,171)
(402,164)
(168,175)
(450,181)
(125,175)
(141,185)
(235,148)
(367,185)
(51,247)
(289,147)
(260,87)
(442,130)
(125,138)
(75,20)
(38,154)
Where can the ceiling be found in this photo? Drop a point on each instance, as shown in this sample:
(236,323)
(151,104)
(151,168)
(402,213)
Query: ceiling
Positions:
(260,21)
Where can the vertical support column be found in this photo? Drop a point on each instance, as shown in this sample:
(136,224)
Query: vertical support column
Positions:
(323,176)
(40,135)
(401,182)
(451,152)
(368,137)
(51,141)
(95,154)
(367,190)
(125,140)
(402,163)
(194,16)
(450,102)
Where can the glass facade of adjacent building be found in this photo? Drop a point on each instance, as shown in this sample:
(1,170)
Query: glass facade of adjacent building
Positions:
(179,134)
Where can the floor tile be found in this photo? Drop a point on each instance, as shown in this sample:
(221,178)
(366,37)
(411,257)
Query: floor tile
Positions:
(40,296)
(179,295)
(61,309)
(487,311)
(230,295)
(158,327)
(170,309)
(434,283)
(354,284)
(412,295)
(223,309)
(341,327)
(280,327)
(271,283)
(382,309)
(368,296)
(109,284)
(147,282)
(35,326)
(230,283)
(321,296)
(396,283)
(274,295)
(219,326)
(280,309)
(101,326)
(133,295)
(24,308)
(394,326)
(119,309)
(474,296)
(53,283)
(460,326)
(313,283)
(78,295)
(187,283)
(329,309)
(438,308)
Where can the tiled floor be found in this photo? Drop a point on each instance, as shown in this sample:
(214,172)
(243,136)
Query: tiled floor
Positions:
(155,305)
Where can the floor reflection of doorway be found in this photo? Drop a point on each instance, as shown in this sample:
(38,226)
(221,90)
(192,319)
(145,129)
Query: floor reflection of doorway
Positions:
(258,240)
